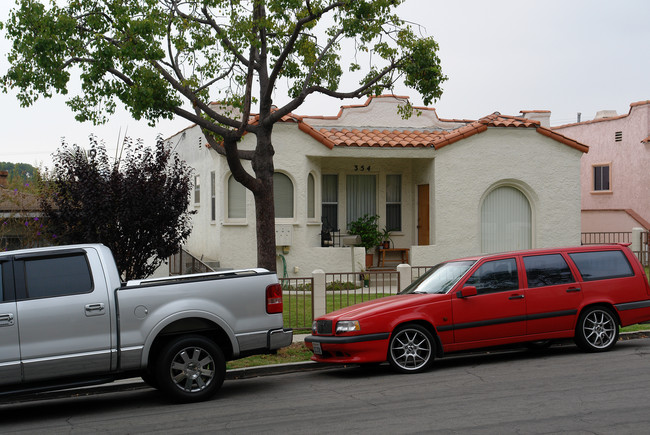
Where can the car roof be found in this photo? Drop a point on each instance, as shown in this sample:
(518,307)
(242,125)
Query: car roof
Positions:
(540,251)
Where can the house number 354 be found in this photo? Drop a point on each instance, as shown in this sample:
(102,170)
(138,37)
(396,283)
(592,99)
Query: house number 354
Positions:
(361,168)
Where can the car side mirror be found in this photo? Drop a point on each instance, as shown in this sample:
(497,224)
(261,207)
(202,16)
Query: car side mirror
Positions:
(468,291)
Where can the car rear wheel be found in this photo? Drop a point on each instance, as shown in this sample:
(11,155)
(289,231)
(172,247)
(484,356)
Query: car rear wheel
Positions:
(597,330)
(411,349)
(190,369)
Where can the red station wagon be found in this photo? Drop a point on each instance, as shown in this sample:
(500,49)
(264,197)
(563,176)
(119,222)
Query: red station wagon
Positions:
(530,297)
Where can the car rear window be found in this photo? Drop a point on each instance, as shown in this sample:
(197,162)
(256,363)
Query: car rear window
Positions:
(602,265)
(545,270)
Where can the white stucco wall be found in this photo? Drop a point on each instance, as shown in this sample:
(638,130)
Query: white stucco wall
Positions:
(546,171)
(459,176)
(382,112)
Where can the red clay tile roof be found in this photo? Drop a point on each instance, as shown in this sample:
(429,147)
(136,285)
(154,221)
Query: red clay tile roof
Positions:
(379,138)
(337,137)
(498,120)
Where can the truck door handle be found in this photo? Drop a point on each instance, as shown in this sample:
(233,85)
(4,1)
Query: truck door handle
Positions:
(573,289)
(516,297)
(7,319)
(95,309)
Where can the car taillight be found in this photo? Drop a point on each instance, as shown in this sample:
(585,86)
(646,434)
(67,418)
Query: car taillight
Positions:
(274,299)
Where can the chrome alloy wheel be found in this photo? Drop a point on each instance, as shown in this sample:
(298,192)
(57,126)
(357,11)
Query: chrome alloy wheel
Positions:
(411,349)
(599,328)
(192,369)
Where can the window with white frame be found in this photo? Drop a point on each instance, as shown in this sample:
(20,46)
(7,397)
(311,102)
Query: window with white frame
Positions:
(330,201)
(602,174)
(311,197)
(361,196)
(282,196)
(236,199)
(197,190)
(213,196)
(506,221)
(394,202)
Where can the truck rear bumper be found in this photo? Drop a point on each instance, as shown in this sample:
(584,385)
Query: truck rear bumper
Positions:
(280,338)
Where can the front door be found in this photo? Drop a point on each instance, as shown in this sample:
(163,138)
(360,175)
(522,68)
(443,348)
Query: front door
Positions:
(64,314)
(9,345)
(499,308)
(423,214)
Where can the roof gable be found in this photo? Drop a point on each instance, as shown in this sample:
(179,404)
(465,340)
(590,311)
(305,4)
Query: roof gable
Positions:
(420,138)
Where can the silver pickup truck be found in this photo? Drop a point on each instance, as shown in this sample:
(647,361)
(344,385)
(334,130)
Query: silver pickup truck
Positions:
(66,320)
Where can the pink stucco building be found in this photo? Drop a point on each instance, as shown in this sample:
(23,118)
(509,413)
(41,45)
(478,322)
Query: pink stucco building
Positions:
(615,173)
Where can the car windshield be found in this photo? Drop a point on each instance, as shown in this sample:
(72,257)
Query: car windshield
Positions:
(439,279)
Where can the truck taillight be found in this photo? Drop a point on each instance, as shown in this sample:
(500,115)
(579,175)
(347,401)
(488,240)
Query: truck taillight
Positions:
(274,299)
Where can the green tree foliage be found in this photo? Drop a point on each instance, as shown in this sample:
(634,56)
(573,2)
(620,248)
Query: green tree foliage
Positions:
(22,176)
(137,206)
(165,58)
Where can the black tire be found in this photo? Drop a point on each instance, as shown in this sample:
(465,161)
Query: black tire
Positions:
(149,378)
(190,369)
(597,329)
(411,349)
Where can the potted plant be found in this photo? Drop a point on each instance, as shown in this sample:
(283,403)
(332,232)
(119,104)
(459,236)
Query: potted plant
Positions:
(367,229)
(364,276)
(385,238)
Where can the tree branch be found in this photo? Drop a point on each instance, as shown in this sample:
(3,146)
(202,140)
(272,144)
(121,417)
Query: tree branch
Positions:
(288,48)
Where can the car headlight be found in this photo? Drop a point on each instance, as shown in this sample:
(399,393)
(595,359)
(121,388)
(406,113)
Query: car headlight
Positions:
(314,327)
(347,326)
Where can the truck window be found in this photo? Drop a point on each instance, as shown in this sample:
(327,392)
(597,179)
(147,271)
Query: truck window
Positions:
(543,270)
(602,265)
(57,276)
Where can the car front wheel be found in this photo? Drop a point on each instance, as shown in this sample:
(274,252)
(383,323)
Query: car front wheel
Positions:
(411,349)
(190,369)
(597,330)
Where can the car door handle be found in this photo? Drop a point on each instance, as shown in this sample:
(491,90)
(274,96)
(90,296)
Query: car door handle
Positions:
(516,297)
(573,289)
(7,319)
(95,309)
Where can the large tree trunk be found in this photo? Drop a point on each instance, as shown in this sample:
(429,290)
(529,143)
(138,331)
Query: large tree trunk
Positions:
(265,226)
(264,203)
(262,187)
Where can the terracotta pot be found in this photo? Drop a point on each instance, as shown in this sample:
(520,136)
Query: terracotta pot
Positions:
(369,260)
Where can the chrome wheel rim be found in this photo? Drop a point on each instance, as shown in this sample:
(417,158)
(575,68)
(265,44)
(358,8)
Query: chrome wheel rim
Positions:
(192,369)
(410,349)
(599,329)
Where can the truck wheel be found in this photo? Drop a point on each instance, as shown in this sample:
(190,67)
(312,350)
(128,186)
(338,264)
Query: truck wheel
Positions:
(190,369)
(411,349)
(597,330)
(149,378)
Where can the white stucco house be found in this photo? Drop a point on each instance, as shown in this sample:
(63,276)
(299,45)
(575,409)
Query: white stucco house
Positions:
(446,187)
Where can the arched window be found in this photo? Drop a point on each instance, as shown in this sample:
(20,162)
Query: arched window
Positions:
(311,197)
(282,195)
(236,199)
(506,223)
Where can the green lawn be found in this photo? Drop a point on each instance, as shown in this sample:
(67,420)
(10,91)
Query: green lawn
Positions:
(298,310)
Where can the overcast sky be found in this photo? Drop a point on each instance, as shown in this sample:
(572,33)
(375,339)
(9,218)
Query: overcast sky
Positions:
(566,56)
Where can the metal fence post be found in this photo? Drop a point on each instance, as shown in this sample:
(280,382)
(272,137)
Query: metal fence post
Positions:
(320,299)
